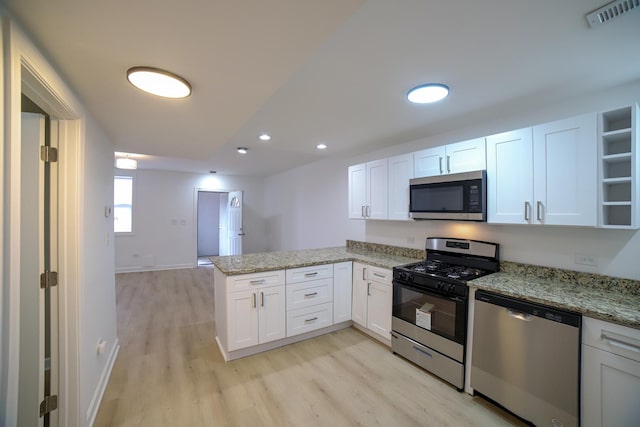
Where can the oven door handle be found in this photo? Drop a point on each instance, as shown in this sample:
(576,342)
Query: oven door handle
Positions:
(456,298)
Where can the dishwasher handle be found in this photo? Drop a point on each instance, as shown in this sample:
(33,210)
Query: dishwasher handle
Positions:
(519,315)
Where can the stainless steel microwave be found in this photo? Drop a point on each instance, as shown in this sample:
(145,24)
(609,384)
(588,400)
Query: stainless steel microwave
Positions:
(459,196)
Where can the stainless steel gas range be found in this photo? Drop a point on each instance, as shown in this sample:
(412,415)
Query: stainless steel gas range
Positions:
(430,301)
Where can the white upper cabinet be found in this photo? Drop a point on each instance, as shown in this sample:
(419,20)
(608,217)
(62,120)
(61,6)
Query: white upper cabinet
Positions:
(368,190)
(400,172)
(465,156)
(545,174)
(510,177)
(565,168)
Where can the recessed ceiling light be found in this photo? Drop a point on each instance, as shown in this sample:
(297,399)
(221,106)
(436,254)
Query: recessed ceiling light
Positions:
(243,150)
(126,163)
(265,137)
(159,82)
(427,93)
(321,146)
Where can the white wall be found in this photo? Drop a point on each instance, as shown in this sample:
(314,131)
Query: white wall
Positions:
(97,278)
(164,215)
(307,207)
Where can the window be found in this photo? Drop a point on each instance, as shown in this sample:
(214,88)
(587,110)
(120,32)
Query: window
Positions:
(123,204)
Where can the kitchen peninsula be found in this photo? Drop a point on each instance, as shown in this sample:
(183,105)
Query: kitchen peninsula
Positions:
(267,300)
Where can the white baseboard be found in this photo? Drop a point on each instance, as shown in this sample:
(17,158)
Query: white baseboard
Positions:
(139,269)
(92,411)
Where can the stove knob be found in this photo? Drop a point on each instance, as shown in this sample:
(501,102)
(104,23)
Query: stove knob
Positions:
(452,288)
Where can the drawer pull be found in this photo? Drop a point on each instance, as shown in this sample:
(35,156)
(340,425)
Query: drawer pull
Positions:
(313,294)
(310,320)
(419,350)
(617,342)
(380,275)
(258,282)
(315,273)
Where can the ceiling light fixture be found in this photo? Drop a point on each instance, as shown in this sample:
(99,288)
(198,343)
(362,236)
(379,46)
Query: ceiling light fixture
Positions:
(126,163)
(321,146)
(265,137)
(159,82)
(428,93)
(243,150)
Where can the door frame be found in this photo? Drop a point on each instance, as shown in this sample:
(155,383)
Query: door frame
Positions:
(24,69)
(196,190)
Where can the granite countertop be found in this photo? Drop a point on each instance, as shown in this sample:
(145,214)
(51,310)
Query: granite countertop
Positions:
(602,297)
(269,261)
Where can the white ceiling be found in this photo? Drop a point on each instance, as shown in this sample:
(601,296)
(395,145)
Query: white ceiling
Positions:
(308,71)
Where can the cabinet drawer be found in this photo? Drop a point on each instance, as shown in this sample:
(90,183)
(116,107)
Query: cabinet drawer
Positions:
(378,274)
(309,319)
(295,275)
(306,294)
(255,280)
(610,337)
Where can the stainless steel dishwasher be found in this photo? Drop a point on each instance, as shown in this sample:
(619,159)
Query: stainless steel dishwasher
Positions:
(526,357)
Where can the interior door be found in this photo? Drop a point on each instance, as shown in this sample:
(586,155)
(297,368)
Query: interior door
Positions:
(38,328)
(235,232)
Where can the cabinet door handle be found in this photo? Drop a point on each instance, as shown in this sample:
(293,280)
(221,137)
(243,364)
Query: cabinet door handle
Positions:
(539,210)
(440,164)
(362,211)
(313,294)
(310,320)
(449,164)
(261,299)
(527,208)
(369,289)
(617,342)
(257,282)
(368,211)
(315,273)
(253,300)
(364,270)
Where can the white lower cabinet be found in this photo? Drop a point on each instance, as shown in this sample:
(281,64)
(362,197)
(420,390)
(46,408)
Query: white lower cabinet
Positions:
(309,319)
(342,273)
(610,374)
(372,298)
(255,315)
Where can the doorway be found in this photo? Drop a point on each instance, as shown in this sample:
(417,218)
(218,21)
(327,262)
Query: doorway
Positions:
(219,226)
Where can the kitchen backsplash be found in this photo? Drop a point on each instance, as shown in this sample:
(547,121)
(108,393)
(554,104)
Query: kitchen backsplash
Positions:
(356,246)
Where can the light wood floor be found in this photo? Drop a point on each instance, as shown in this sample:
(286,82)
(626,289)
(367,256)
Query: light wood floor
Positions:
(170,373)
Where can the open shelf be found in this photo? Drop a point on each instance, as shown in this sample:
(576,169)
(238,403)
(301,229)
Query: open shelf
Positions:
(619,168)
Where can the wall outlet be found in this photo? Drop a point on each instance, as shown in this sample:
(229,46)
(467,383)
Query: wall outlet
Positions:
(587,259)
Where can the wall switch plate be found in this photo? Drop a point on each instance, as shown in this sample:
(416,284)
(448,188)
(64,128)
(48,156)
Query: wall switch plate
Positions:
(587,259)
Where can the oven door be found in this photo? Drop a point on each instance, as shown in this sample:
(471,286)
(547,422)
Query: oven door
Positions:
(440,314)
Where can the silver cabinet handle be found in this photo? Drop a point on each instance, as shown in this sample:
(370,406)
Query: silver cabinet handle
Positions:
(363,273)
(539,210)
(369,289)
(440,164)
(253,300)
(380,275)
(527,208)
(261,299)
(313,294)
(617,342)
(362,211)
(368,211)
(310,320)
(449,164)
(258,282)
(315,273)
(520,315)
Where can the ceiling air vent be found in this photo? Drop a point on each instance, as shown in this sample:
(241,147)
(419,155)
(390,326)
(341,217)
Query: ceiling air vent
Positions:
(611,11)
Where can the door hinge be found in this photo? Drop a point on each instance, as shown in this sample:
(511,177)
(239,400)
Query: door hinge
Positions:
(48,279)
(49,404)
(48,154)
